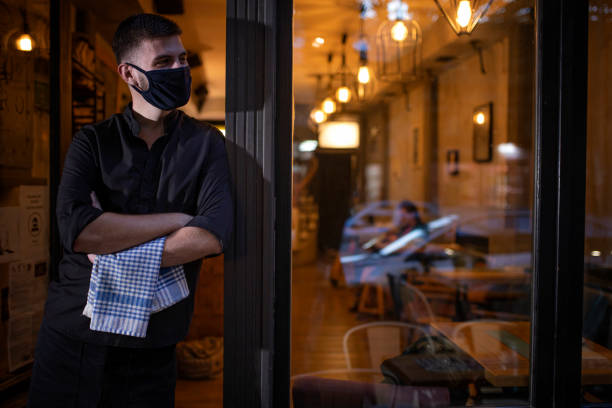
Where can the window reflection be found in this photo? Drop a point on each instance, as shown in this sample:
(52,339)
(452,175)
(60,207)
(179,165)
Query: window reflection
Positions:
(597,303)
(412,245)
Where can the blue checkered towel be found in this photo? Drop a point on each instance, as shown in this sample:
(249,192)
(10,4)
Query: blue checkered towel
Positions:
(127,286)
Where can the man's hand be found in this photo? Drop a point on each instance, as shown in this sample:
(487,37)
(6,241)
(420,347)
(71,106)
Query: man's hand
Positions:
(92,257)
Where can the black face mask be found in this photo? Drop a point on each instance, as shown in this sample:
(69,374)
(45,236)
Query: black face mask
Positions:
(168,88)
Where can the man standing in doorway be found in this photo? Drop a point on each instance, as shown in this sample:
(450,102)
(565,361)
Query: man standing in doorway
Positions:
(154,172)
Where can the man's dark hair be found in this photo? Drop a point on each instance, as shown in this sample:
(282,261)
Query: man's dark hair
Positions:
(133,30)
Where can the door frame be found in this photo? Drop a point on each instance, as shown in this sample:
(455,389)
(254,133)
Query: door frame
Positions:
(258,262)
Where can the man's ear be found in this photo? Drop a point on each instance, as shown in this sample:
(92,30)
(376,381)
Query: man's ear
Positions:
(128,75)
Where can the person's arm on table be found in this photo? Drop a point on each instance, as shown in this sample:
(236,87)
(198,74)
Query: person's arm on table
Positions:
(208,232)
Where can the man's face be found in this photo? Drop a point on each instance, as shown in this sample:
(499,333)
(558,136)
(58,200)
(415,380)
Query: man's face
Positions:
(153,54)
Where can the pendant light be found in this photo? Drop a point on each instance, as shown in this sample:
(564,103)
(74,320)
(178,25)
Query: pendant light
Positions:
(463,15)
(24,41)
(343,93)
(329,104)
(364,83)
(317,115)
(399,43)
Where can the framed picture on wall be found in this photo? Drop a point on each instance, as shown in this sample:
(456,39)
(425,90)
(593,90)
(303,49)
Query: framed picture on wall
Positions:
(482,121)
(452,162)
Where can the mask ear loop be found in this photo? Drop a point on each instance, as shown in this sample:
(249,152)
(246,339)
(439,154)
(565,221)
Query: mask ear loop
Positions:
(145,74)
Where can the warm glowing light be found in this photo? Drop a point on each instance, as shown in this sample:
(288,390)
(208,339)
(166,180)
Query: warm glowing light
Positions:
(363,76)
(509,150)
(24,43)
(308,146)
(449,252)
(361,91)
(329,106)
(339,135)
(318,42)
(399,31)
(480,118)
(221,129)
(318,116)
(343,94)
(464,13)
(596,253)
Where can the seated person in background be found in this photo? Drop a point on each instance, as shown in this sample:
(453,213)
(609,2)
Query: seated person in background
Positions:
(406,219)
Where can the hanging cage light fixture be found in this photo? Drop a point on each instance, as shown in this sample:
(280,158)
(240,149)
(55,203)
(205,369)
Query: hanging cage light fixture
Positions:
(463,15)
(399,43)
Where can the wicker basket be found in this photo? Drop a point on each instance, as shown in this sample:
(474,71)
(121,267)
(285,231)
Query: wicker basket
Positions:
(200,359)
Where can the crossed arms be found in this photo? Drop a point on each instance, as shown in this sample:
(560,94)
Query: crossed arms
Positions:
(112,232)
(84,227)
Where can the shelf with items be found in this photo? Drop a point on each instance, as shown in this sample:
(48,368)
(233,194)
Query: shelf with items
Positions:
(88,93)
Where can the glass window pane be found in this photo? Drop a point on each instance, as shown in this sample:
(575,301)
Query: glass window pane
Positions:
(597,305)
(412,215)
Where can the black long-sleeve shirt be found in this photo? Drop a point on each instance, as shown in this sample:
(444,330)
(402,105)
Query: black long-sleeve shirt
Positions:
(185,170)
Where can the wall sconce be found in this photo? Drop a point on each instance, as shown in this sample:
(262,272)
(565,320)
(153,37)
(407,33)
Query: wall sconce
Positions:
(483,133)
(339,134)
(463,15)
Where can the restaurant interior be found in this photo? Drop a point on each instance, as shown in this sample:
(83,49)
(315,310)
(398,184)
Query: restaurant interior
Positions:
(412,193)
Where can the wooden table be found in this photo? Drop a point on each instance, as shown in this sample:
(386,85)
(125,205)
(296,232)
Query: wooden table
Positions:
(465,276)
(464,279)
(502,348)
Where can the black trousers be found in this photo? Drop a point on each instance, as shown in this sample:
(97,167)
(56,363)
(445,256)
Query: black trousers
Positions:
(69,373)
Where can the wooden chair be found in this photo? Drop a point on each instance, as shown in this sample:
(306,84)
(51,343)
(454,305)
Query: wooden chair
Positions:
(371,343)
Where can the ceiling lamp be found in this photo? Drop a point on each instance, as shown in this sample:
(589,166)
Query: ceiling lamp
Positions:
(339,134)
(399,45)
(318,42)
(363,75)
(364,83)
(343,93)
(364,80)
(463,15)
(329,105)
(24,41)
(318,116)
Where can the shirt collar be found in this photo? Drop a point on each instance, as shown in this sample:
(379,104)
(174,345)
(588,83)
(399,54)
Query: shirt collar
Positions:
(170,121)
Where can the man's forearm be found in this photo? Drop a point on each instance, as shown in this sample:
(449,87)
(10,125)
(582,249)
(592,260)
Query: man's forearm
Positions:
(188,244)
(112,232)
